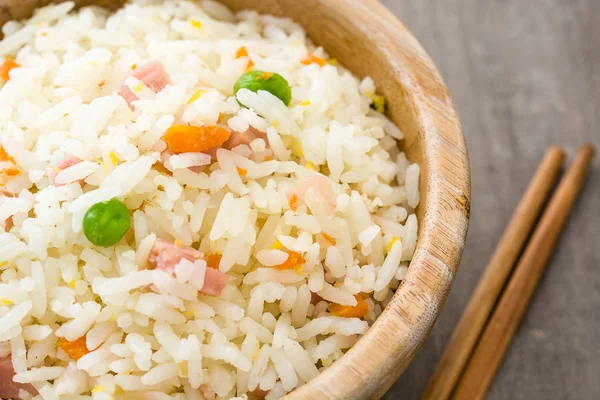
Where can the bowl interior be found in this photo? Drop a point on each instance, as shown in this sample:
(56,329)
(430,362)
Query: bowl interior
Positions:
(368,40)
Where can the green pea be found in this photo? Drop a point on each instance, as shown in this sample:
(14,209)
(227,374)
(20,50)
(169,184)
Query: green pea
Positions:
(104,224)
(269,81)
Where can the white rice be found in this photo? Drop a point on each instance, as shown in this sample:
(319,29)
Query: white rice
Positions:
(352,231)
(39,374)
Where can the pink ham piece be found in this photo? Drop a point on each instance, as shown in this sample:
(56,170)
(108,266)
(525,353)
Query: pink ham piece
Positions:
(154,76)
(213,152)
(166,255)
(246,137)
(66,162)
(9,388)
(323,190)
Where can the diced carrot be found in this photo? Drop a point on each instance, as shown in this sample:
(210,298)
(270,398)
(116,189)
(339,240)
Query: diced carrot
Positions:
(293,202)
(328,238)
(5,68)
(213,260)
(358,311)
(75,349)
(312,59)
(294,260)
(11,171)
(5,192)
(6,173)
(243,52)
(241,171)
(184,138)
(4,155)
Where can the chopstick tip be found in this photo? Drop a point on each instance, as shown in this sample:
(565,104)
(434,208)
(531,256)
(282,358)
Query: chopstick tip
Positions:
(556,149)
(588,148)
(556,153)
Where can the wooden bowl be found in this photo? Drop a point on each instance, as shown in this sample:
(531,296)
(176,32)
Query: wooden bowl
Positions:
(369,40)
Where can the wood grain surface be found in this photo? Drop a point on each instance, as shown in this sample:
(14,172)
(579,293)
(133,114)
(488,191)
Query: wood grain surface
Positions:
(524,75)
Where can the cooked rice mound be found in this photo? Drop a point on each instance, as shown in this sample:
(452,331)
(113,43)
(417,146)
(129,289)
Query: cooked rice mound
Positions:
(251,263)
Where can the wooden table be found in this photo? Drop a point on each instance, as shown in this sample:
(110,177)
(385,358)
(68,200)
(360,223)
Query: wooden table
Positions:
(525,74)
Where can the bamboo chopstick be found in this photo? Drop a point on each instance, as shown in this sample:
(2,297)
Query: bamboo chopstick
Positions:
(488,289)
(498,333)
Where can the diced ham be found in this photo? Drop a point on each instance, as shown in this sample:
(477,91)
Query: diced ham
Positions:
(66,162)
(127,94)
(237,138)
(166,255)
(8,388)
(165,156)
(154,76)
(214,282)
(213,152)
(323,190)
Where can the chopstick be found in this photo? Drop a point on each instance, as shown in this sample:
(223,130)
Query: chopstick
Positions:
(498,333)
(482,302)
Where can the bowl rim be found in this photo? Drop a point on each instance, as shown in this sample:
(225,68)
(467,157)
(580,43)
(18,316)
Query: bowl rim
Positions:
(372,365)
